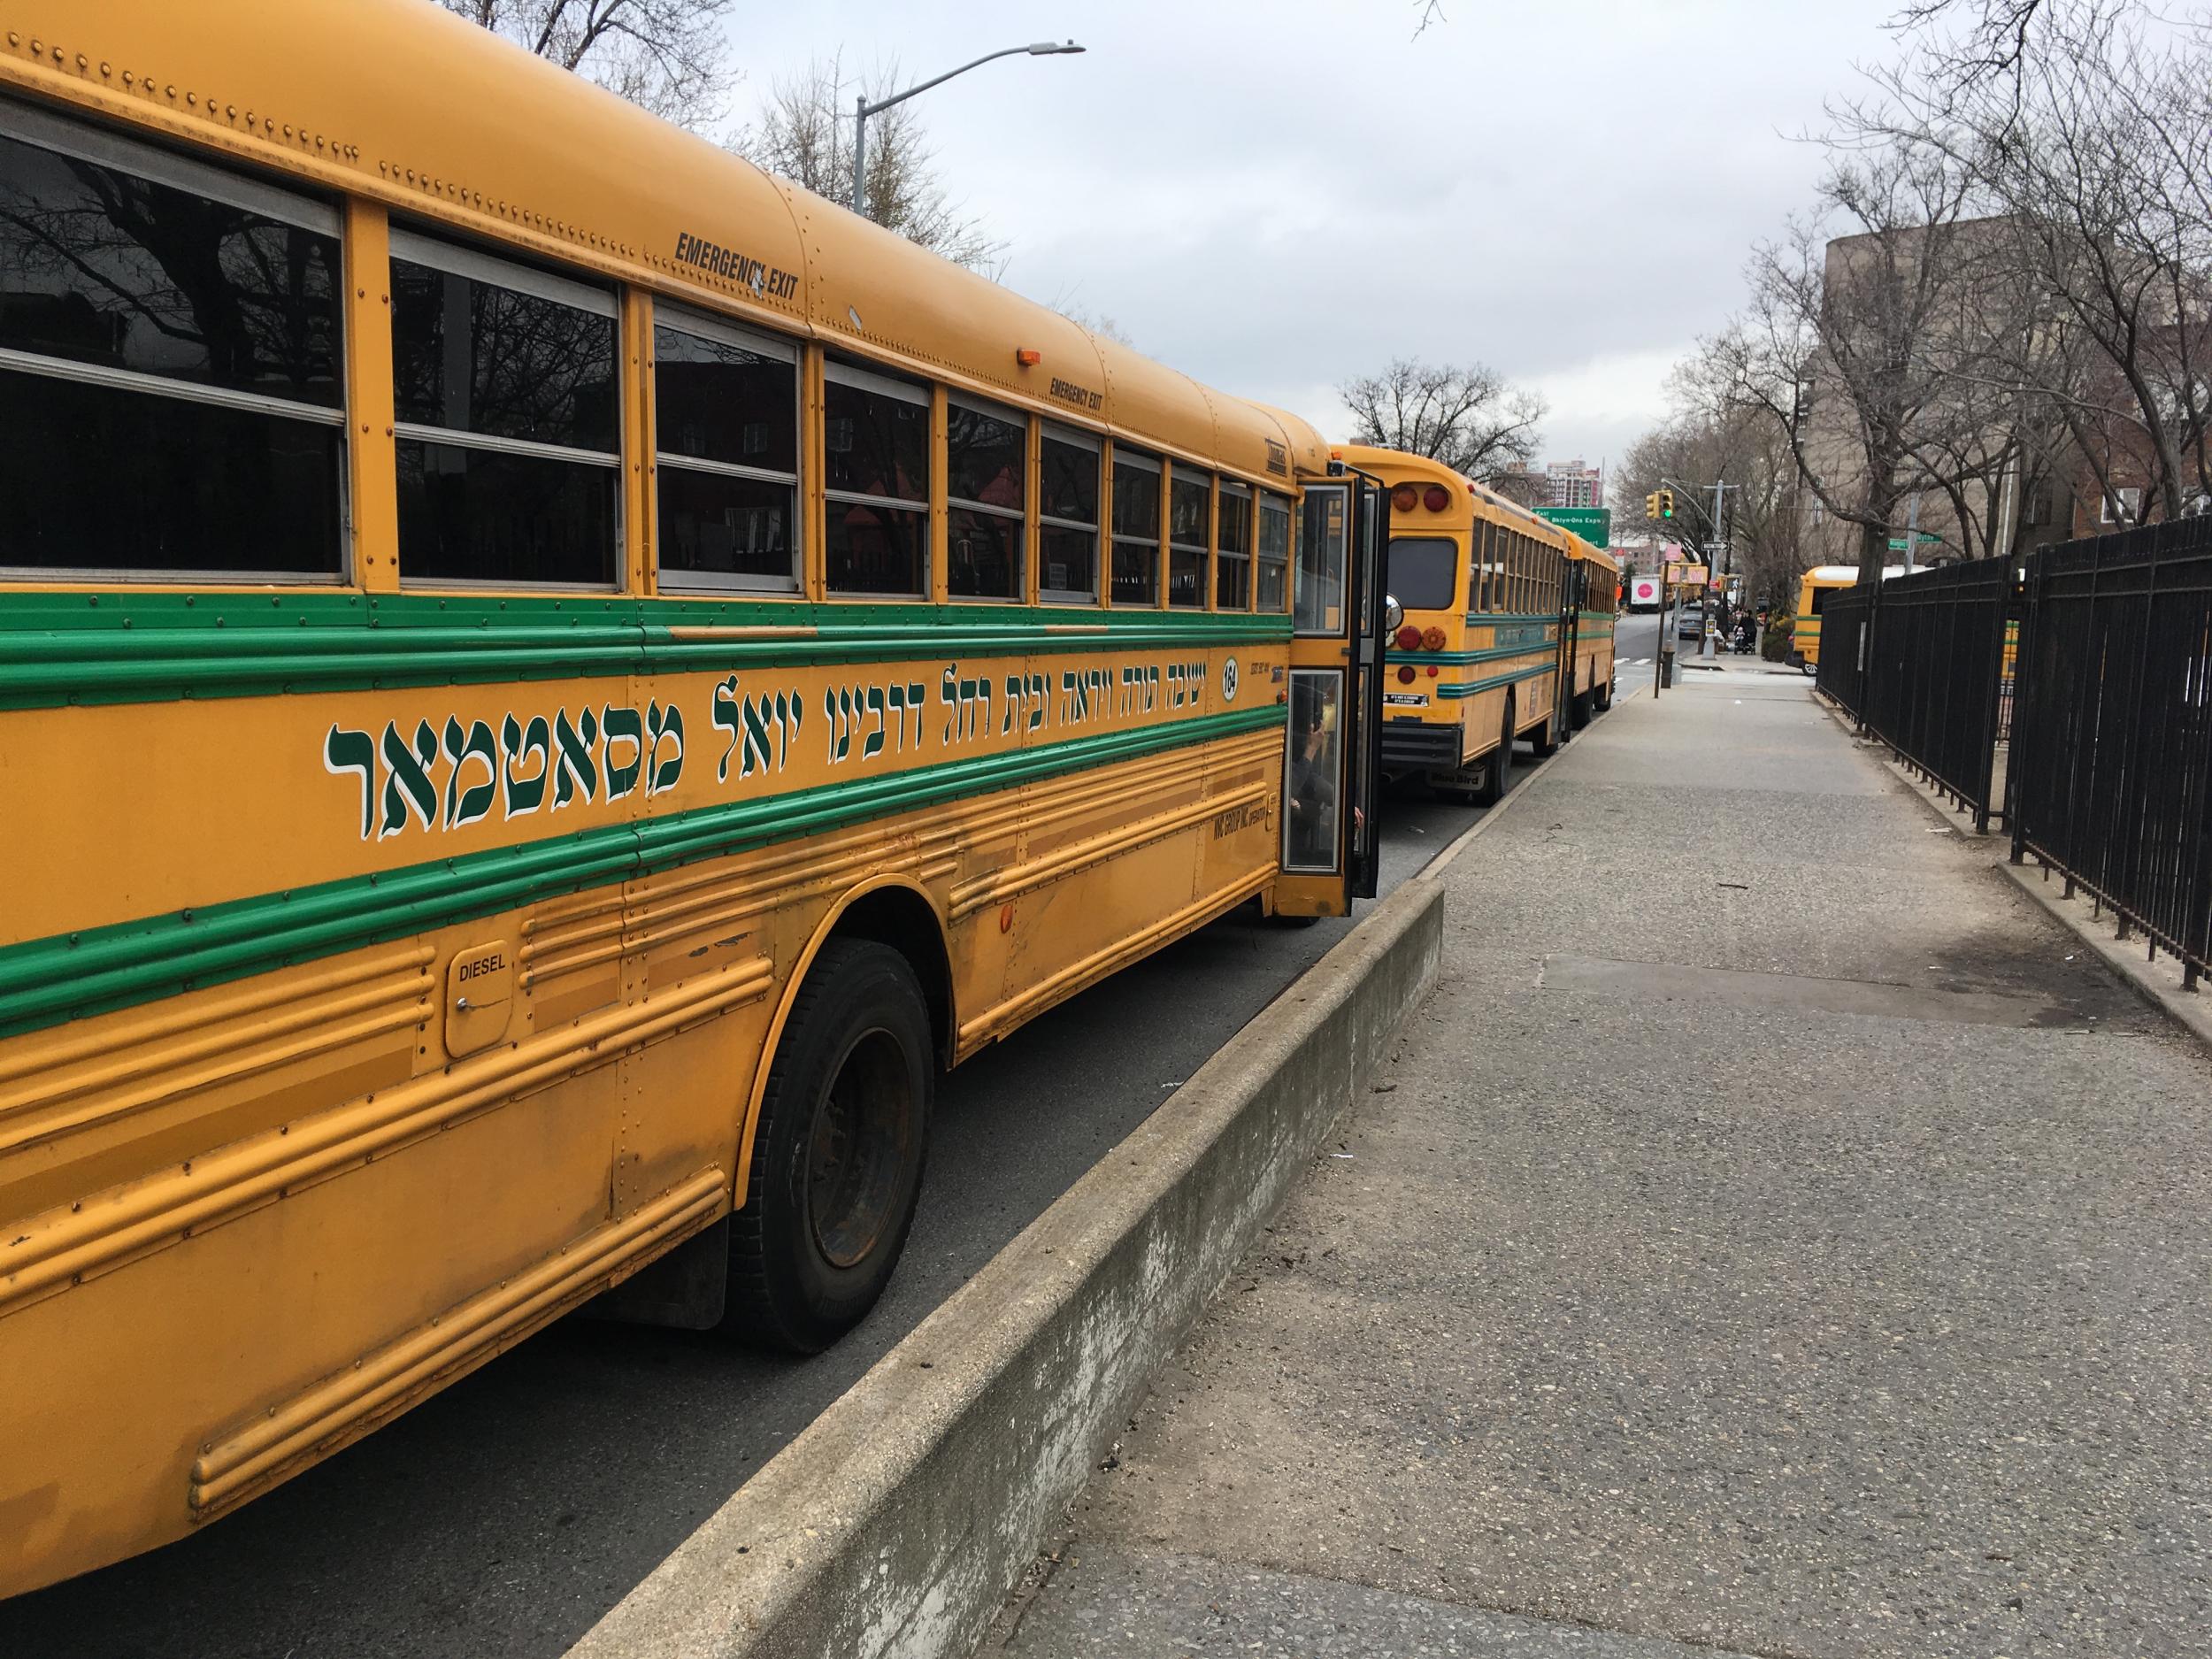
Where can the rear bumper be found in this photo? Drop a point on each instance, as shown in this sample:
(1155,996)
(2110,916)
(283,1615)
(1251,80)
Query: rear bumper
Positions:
(1420,745)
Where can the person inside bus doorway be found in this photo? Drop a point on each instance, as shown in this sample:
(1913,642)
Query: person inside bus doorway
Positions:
(1313,772)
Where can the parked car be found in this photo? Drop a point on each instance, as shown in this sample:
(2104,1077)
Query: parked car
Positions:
(1691,623)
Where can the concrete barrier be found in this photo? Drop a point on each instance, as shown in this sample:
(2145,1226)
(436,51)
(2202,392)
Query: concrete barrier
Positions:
(896,1523)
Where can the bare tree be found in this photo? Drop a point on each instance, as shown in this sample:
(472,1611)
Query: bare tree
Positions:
(2093,139)
(1837,346)
(667,56)
(1470,419)
(805,134)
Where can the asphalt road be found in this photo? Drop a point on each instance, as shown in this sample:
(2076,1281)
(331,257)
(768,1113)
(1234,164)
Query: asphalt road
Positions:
(506,1515)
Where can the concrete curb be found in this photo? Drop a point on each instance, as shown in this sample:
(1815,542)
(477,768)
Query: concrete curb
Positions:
(2185,1009)
(898,1521)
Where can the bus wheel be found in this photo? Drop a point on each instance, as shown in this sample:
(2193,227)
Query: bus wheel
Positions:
(1545,739)
(837,1158)
(1578,710)
(1497,770)
(1604,695)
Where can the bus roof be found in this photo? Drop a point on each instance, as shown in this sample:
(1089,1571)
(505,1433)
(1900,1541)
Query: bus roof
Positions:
(1402,463)
(415,107)
(1844,575)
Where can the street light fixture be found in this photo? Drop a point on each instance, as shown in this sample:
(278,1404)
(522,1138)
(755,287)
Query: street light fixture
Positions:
(863,109)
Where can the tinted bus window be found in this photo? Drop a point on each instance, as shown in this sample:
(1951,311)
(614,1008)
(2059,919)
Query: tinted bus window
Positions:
(986,459)
(508,395)
(1136,529)
(1067,511)
(1189,507)
(176,405)
(876,453)
(725,411)
(1424,571)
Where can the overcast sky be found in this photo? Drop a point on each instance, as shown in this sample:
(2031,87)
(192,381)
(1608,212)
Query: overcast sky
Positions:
(1274,197)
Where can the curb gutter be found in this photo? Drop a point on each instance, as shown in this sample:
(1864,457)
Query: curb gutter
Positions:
(897,1522)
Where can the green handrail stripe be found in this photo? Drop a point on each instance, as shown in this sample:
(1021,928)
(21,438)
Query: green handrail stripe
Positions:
(44,981)
(61,648)
(1459,658)
(1474,687)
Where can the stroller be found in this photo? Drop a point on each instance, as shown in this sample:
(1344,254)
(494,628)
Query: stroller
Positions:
(1747,634)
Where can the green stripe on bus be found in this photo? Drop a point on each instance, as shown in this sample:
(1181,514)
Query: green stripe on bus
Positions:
(45,982)
(1475,687)
(1461,658)
(104,648)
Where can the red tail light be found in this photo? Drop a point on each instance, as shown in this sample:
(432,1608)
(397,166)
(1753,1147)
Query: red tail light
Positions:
(1408,638)
(1405,498)
(1436,498)
(1405,674)
(1433,640)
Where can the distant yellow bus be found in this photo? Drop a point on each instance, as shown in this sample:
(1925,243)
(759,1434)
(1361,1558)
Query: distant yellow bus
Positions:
(1477,656)
(1813,588)
(550,683)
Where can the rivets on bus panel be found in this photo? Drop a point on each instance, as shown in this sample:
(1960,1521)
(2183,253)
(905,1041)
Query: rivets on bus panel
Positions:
(14,39)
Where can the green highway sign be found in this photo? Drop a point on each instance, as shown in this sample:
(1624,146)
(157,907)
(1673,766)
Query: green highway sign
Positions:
(1897,542)
(1594,524)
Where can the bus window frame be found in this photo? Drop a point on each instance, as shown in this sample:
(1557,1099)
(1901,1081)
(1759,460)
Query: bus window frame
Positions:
(1223,486)
(285,204)
(1018,420)
(1155,462)
(839,371)
(438,250)
(680,318)
(1102,533)
(1171,474)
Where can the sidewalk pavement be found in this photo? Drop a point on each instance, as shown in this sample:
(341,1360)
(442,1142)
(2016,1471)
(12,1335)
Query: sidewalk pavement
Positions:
(1837,1290)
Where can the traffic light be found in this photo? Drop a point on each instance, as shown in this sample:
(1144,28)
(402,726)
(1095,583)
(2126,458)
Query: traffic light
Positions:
(1651,505)
(1666,504)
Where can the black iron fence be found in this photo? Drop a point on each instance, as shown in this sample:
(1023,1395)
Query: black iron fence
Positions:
(2111,769)
(1841,672)
(1932,675)
(2073,697)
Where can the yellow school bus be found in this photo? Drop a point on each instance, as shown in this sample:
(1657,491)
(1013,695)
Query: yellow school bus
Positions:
(550,683)
(1813,588)
(1476,586)
(1592,606)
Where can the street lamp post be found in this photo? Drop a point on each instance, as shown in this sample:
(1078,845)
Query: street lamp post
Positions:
(863,109)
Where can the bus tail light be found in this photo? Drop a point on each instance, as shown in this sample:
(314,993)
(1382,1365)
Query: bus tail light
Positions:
(1405,674)
(1433,640)
(1408,638)
(1405,498)
(1431,671)
(1436,498)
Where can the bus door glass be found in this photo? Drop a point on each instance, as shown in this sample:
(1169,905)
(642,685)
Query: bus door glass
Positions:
(1335,698)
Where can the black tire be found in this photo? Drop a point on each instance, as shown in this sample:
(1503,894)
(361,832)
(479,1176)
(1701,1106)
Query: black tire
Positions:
(1578,713)
(1544,740)
(1603,695)
(837,1159)
(1497,767)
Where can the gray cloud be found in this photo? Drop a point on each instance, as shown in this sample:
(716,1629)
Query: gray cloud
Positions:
(1275,197)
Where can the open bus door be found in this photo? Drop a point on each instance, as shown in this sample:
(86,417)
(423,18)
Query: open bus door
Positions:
(1333,746)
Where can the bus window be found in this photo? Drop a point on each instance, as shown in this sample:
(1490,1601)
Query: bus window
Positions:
(986,459)
(725,411)
(174,401)
(875,433)
(1232,563)
(1067,517)
(1136,529)
(1274,575)
(1190,506)
(506,382)
(1424,571)
(1323,548)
